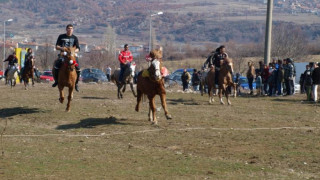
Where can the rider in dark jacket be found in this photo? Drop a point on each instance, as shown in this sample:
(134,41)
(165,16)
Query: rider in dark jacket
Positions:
(67,40)
(12,59)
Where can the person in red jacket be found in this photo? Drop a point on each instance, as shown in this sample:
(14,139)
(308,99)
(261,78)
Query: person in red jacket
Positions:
(125,58)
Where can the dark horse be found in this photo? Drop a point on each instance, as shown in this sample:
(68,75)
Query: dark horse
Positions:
(128,79)
(67,75)
(225,80)
(28,72)
(151,86)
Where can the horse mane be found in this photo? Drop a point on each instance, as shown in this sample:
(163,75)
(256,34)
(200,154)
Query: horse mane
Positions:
(156,54)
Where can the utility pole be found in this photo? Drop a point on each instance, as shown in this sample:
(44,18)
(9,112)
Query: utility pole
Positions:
(267,46)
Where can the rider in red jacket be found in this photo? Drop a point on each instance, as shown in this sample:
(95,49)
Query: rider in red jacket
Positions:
(125,58)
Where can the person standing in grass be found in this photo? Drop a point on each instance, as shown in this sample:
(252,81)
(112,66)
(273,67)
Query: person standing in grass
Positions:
(316,81)
(308,81)
(185,78)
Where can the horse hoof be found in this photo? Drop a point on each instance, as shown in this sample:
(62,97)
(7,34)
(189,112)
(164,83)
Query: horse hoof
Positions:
(137,109)
(168,116)
(67,110)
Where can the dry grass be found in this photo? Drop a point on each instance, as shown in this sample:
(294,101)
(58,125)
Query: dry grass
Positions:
(104,138)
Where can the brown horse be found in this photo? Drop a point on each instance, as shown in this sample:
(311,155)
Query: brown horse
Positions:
(152,86)
(128,79)
(67,75)
(28,72)
(211,83)
(225,80)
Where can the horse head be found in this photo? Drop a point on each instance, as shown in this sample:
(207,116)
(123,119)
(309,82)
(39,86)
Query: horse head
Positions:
(228,65)
(70,58)
(155,70)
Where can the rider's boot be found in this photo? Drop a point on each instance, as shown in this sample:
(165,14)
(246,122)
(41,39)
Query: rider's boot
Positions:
(55,77)
(76,86)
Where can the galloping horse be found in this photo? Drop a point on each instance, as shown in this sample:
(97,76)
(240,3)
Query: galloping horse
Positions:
(67,75)
(151,86)
(225,80)
(12,75)
(128,79)
(28,72)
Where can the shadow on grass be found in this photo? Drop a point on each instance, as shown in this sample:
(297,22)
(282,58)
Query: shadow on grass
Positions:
(9,112)
(291,100)
(91,123)
(101,98)
(182,101)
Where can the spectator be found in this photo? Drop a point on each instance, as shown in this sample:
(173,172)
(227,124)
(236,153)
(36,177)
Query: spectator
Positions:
(316,81)
(250,76)
(301,82)
(279,80)
(195,80)
(288,76)
(108,72)
(308,82)
(185,78)
(265,76)
(259,84)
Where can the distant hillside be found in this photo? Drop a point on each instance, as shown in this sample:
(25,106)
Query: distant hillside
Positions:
(182,21)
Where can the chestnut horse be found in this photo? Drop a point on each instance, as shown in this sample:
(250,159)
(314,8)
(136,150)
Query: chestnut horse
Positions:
(28,72)
(152,86)
(67,75)
(225,80)
(128,79)
(211,83)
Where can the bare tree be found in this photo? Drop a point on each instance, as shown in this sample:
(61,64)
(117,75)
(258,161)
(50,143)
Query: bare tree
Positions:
(46,56)
(288,41)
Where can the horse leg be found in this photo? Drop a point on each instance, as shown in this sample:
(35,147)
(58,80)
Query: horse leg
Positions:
(235,90)
(152,109)
(210,94)
(227,96)
(32,79)
(124,88)
(220,94)
(25,84)
(70,96)
(134,93)
(139,97)
(119,91)
(61,99)
(164,105)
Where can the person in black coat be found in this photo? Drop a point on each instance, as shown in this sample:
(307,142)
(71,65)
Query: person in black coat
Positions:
(316,81)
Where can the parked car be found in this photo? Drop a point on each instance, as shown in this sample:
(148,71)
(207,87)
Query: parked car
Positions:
(175,77)
(244,83)
(46,76)
(93,75)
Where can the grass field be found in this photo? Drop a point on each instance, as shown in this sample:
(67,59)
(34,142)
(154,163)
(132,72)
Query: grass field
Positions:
(104,138)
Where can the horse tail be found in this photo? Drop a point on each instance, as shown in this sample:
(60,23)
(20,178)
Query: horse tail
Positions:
(113,78)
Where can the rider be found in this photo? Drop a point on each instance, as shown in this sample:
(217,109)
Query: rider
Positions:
(216,59)
(12,59)
(125,58)
(66,40)
(29,55)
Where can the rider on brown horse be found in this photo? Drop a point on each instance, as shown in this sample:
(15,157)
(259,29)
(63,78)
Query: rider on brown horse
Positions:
(215,59)
(66,40)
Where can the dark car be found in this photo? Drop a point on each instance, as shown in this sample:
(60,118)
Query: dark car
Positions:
(93,75)
(175,77)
